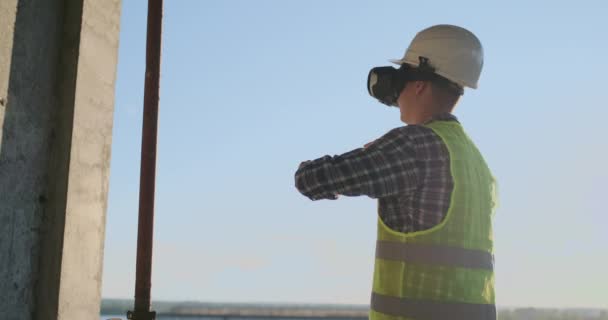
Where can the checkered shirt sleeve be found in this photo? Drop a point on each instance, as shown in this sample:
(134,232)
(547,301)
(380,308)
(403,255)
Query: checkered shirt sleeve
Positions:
(384,168)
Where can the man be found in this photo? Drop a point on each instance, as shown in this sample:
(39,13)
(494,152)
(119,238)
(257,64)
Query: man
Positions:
(434,254)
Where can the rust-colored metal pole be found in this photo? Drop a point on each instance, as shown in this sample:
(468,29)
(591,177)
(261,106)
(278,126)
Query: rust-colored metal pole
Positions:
(148,165)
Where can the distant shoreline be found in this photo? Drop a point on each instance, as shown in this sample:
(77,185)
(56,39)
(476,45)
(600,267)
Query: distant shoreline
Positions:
(317,311)
(236,310)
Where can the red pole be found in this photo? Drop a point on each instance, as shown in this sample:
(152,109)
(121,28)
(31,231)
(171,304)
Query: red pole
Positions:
(148,165)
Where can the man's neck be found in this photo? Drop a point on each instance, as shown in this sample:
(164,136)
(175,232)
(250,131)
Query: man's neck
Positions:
(427,117)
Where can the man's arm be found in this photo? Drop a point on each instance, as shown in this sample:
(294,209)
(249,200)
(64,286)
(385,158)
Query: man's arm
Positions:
(383,168)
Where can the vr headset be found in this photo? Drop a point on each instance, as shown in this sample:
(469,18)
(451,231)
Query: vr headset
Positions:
(386,83)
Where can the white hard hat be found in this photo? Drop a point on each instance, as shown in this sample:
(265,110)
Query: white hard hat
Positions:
(454,52)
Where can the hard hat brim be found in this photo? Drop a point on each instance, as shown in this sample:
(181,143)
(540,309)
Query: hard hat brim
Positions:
(398,61)
(404,61)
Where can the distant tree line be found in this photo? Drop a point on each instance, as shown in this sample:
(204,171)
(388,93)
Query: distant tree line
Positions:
(119,306)
(552,314)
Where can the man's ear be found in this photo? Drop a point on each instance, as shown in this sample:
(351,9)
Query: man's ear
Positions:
(420,86)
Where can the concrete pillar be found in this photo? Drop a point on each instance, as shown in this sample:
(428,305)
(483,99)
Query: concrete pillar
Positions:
(57,73)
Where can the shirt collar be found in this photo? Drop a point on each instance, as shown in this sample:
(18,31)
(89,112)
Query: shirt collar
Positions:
(446,116)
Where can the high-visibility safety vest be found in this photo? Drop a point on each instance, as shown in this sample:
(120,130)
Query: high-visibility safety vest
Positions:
(446,272)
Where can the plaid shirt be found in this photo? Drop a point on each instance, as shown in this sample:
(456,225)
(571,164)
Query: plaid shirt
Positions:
(407,170)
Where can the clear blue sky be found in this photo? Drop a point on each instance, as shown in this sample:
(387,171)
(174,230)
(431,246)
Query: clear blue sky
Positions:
(250,89)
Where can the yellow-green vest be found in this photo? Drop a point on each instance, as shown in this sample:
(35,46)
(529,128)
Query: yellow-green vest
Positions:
(446,272)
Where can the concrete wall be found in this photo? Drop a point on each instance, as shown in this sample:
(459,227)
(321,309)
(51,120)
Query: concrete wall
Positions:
(29,33)
(57,72)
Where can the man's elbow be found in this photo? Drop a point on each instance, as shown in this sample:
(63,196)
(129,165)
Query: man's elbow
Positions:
(306,190)
(300,183)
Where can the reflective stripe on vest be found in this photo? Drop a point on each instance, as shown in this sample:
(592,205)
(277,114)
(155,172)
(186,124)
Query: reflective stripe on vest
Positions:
(431,310)
(434,254)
